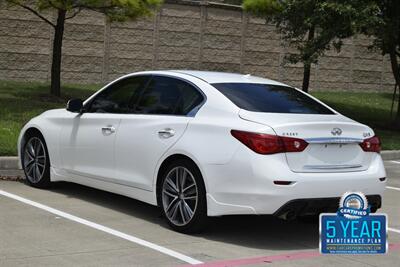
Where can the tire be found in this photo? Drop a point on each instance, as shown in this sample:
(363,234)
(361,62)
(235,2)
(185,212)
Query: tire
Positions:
(183,204)
(36,161)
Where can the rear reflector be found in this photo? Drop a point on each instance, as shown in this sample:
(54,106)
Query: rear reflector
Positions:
(269,144)
(372,144)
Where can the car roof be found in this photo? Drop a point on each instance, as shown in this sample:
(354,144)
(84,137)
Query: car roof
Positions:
(226,77)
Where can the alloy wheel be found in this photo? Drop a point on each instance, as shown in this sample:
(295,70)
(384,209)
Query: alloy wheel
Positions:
(34,160)
(180,196)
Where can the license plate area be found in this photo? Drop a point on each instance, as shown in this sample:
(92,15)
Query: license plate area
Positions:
(328,157)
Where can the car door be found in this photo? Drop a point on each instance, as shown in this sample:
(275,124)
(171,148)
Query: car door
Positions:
(162,113)
(87,143)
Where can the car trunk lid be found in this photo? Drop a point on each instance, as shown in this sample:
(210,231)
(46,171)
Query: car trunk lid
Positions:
(333,140)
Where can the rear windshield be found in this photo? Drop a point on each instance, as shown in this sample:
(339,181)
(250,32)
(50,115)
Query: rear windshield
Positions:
(270,98)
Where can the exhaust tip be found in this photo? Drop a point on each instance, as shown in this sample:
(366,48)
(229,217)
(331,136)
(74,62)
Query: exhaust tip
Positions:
(283,182)
(382,179)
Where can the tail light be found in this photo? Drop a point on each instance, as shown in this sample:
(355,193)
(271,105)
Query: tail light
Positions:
(372,144)
(269,144)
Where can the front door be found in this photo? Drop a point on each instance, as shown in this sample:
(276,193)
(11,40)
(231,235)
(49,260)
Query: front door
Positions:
(88,144)
(87,140)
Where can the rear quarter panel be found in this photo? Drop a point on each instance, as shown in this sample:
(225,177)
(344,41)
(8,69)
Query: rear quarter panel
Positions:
(208,140)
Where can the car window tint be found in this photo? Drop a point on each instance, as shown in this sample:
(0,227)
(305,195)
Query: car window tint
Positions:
(119,97)
(270,98)
(168,96)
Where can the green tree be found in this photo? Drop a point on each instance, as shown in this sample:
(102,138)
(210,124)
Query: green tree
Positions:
(384,26)
(115,10)
(312,26)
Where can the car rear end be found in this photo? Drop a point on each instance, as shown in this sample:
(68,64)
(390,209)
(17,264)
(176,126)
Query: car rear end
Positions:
(299,157)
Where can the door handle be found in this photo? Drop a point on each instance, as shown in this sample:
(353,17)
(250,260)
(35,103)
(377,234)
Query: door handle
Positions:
(166,133)
(108,130)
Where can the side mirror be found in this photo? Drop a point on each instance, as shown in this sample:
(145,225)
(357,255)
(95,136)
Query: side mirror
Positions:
(75,105)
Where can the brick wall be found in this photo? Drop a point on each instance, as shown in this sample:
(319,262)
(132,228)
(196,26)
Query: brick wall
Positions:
(179,36)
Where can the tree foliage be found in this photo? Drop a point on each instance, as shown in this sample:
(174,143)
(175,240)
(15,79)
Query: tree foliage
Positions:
(115,10)
(313,26)
(384,27)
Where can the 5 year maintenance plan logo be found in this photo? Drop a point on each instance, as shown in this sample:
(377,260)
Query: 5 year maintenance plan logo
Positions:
(353,230)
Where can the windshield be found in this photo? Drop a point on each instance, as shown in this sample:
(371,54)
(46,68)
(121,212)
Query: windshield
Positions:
(270,98)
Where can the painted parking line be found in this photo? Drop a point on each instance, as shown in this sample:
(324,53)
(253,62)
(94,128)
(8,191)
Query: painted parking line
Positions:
(191,261)
(395,161)
(105,229)
(394,230)
(274,258)
(262,259)
(393,188)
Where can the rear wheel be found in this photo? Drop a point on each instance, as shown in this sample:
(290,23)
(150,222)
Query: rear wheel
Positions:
(36,162)
(183,197)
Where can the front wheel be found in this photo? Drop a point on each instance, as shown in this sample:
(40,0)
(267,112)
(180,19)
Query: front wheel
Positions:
(36,162)
(183,197)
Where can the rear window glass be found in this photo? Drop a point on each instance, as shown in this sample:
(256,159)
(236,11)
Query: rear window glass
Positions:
(270,98)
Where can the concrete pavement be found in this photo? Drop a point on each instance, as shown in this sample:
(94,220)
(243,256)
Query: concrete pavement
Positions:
(32,236)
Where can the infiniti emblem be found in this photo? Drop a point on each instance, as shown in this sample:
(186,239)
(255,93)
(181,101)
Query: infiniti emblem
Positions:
(336,131)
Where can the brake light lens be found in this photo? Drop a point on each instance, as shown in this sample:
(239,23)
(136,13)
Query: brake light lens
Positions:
(372,144)
(269,144)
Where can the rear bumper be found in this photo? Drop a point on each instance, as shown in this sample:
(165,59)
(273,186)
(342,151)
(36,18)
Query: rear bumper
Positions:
(245,185)
(312,206)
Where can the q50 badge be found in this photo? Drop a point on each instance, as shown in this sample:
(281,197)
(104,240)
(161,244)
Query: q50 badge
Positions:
(353,230)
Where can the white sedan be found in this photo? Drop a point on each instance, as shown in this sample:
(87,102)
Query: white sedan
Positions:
(202,144)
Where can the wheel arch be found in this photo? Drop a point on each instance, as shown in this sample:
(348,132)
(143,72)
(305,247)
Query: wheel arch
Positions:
(30,131)
(165,163)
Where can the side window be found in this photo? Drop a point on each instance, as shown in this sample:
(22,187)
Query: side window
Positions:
(168,96)
(119,97)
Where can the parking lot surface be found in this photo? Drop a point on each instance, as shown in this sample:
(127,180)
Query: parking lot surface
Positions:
(73,225)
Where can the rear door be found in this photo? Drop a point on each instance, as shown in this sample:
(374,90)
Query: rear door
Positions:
(162,113)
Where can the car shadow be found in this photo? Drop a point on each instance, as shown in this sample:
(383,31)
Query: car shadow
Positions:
(260,232)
